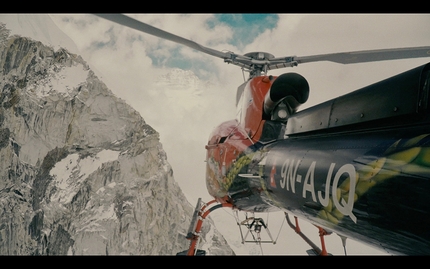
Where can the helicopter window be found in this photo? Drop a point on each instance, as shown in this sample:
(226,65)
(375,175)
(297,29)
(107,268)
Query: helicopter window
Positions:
(239,92)
(239,109)
(222,139)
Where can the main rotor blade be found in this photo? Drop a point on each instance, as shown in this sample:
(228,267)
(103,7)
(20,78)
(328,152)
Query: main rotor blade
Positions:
(367,55)
(274,63)
(146,28)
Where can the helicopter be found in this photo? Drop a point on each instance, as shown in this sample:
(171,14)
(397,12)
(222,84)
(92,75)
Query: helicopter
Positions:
(349,165)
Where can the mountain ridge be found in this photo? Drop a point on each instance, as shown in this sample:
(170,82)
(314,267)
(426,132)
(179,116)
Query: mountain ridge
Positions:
(81,172)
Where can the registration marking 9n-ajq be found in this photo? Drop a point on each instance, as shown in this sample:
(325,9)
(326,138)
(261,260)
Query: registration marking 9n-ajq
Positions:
(290,176)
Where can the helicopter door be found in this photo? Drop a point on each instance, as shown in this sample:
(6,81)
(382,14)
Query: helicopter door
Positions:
(234,146)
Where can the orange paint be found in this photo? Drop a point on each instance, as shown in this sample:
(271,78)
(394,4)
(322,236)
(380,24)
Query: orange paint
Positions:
(231,138)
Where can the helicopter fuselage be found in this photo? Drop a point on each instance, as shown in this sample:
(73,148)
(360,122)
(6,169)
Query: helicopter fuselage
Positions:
(358,165)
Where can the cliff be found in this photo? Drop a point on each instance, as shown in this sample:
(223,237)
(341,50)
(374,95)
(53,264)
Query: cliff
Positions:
(81,172)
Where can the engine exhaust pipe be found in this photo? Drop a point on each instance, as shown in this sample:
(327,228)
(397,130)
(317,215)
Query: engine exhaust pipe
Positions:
(287,93)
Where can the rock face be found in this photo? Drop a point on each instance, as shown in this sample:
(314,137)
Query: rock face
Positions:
(81,172)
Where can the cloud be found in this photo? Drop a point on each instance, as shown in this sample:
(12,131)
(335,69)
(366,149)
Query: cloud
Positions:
(245,27)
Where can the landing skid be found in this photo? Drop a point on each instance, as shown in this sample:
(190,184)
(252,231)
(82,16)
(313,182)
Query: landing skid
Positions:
(201,211)
(315,251)
(254,226)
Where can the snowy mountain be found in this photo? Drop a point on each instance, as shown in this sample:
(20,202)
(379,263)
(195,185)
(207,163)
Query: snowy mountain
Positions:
(81,171)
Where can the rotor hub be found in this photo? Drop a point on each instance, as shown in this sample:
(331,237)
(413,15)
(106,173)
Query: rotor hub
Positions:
(260,55)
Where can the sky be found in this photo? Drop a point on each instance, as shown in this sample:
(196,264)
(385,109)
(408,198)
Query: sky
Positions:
(148,73)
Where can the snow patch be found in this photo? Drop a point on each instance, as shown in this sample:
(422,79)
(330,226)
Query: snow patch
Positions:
(112,185)
(71,78)
(66,171)
(63,82)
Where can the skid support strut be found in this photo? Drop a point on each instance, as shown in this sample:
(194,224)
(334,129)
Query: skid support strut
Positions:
(201,211)
(315,249)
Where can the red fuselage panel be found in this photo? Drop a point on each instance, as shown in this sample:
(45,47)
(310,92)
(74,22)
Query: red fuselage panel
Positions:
(230,139)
